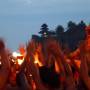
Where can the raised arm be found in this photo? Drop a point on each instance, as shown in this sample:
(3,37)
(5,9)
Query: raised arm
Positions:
(55,49)
(84,68)
(4,66)
(30,65)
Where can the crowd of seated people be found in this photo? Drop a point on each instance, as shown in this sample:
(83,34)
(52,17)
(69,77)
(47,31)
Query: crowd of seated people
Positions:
(57,69)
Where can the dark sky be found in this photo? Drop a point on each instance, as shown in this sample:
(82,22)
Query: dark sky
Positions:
(19,19)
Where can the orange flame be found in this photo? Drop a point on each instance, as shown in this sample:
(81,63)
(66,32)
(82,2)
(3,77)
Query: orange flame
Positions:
(57,67)
(78,62)
(37,61)
(22,50)
(19,57)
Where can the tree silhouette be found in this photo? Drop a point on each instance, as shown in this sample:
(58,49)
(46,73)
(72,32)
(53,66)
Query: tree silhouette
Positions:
(71,37)
(44,30)
(81,28)
(59,33)
(82,25)
(59,30)
(75,33)
(71,26)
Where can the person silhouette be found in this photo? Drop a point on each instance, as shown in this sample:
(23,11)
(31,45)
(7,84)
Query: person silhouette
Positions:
(4,65)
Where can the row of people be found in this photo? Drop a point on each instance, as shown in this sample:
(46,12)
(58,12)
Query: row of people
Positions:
(57,69)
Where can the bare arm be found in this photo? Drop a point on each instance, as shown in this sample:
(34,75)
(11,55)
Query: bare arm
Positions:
(55,49)
(4,70)
(83,67)
(30,65)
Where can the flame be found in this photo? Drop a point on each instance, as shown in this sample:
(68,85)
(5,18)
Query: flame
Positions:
(20,61)
(57,67)
(78,63)
(22,50)
(0,63)
(19,57)
(37,61)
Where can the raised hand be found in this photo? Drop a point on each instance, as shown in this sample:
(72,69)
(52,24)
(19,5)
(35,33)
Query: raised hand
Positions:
(40,54)
(30,47)
(83,67)
(53,46)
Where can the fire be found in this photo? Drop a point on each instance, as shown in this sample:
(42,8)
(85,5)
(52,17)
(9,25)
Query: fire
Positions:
(57,67)
(22,50)
(78,63)
(37,61)
(19,57)
(15,54)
